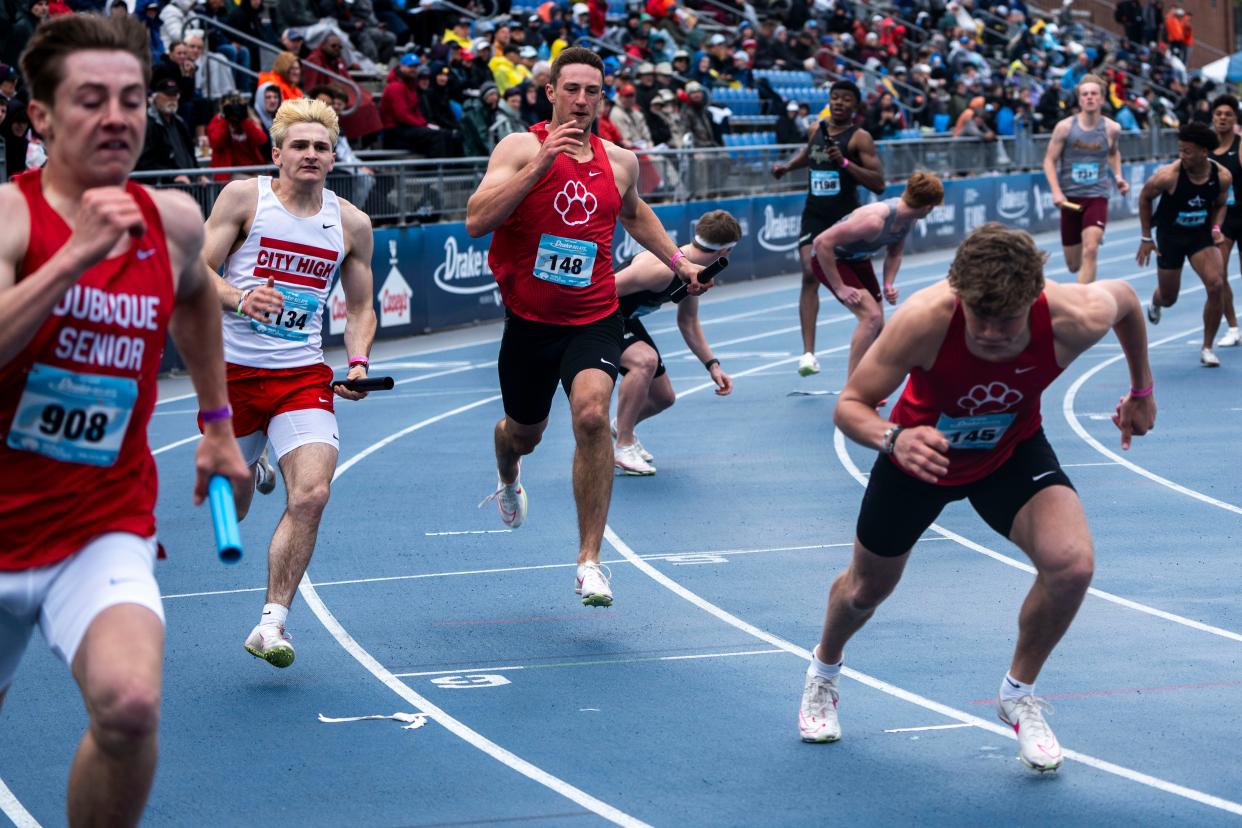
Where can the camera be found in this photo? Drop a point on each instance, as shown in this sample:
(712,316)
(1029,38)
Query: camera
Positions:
(234,112)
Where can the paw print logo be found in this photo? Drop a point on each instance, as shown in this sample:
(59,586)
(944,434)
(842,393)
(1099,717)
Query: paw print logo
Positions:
(990,399)
(575,203)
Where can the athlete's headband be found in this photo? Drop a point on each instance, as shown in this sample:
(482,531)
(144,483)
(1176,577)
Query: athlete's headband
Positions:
(706,245)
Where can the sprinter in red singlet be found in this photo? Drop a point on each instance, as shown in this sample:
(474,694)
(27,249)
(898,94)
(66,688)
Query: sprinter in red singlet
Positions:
(93,271)
(979,349)
(553,197)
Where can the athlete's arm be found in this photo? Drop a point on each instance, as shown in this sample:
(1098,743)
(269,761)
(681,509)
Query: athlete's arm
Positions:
(104,215)
(644,272)
(1114,155)
(910,339)
(1081,316)
(195,328)
(356,281)
(892,263)
(640,221)
(863,225)
(517,164)
(868,172)
(1056,145)
(1156,185)
(800,158)
(1222,202)
(692,333)
(234,207)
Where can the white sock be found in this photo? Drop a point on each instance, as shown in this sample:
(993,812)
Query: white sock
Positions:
(274,615)
(1011,689)
(819,668)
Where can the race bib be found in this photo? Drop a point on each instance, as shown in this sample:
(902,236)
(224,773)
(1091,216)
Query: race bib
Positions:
(825,182)
(1192,218)
(982,432)
(1086,173)
(291,320)
(568,262)
(1230,200)
(73,418)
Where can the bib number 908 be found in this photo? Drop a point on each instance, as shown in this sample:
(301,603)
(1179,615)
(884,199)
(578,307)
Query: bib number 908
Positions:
(73,424)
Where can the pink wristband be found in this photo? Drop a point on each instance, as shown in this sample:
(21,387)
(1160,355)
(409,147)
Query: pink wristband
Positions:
(677,257)
(1215,228)
(359,360)
(215,415)
(1142,392)
(845,162)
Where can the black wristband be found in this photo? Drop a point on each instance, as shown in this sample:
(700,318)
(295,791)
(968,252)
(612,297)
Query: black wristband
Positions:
(713,361)
(890,439)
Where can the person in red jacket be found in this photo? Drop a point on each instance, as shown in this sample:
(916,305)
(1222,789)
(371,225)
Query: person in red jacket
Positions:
(365,119)
(405,127)
(237,138)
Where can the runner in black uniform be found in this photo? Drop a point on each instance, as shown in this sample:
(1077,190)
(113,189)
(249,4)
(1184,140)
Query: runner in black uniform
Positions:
(841,156)
(643,286)
(1225,122)
(1193,191)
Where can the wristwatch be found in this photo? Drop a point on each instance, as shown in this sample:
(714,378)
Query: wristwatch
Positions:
(890,439)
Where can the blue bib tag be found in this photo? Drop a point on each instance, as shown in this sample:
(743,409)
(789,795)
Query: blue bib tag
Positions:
(568,262)
(982,432)
(1085,173)
(1191,218)
(1230,201)
(291,320)
(825,182)
(73,418)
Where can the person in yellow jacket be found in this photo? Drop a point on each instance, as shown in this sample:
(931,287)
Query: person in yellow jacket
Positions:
(506,69)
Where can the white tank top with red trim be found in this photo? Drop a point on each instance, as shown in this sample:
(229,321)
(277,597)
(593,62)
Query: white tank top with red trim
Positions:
(303,255)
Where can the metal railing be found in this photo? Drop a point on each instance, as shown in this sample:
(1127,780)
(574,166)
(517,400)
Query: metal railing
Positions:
(903,89)
(404,191)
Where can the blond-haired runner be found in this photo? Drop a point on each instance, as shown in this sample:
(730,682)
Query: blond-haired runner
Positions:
(281,242)
(94,270)
(1083,150)
(643,286)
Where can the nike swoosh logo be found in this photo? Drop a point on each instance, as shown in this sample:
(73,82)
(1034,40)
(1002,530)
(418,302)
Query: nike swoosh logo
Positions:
(326,226)
(594,173)
(606,362)
(1041,476)
(115,581)
(145,254)
(321,399)
(1012,684)
(1024,370)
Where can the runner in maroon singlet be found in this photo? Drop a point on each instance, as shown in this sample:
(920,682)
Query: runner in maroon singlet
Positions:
(553,197)
(979,349)
(93,271)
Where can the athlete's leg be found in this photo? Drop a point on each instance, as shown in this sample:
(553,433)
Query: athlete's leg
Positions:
(1073,257)
(308,471)
(640,362)
(117,667)
(1088,252)
(1051,528)
(593,460)
(854,596)
(1207,263)
(660,397)
(1168,285)
(1226,290)
(808,301)
(251,446)
(513,442)
(870,322)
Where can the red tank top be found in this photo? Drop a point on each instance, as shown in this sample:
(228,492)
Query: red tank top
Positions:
(553,256)
(984,408)
(74,404)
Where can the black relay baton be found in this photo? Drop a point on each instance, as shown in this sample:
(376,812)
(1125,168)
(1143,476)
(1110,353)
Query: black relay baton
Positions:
(705,275)
(368,384)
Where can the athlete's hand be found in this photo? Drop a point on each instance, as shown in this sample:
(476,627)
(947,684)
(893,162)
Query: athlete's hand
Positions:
(105,214)
(1218,237)
(1144,253)
(1123,186)
(565,138)
(689,273)
(218,454)
(851,297)
(890,293)
(724,382)
(923,451)
(779,170)
(263,301)
(1059,199)
(834,154)
(1134,416)
(356,372)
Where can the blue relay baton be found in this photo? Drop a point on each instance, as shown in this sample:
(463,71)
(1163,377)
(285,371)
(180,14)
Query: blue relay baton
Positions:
(224,519)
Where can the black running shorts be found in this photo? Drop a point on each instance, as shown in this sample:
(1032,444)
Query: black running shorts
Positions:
(634,332)
(897,508)
(535,355)
(1174,247)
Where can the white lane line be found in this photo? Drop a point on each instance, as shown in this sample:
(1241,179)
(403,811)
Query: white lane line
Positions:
(466,671)
(905,695)
(468,532)
(1082,465)
(1067,408)
(848,463)
(423,704)
(12,808)
(178,444)
(928,727)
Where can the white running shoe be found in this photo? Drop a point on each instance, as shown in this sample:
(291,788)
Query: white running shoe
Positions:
(1230,339)
(264,475)
(1153,313)
(592,583)
(1209,359)
(510,500)
(808,364)
(1038,747)
(817,717)
(270,643)
(630,461)
(646,455)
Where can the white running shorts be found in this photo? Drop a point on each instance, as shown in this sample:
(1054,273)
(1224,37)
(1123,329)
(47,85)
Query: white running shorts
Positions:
(288,431)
